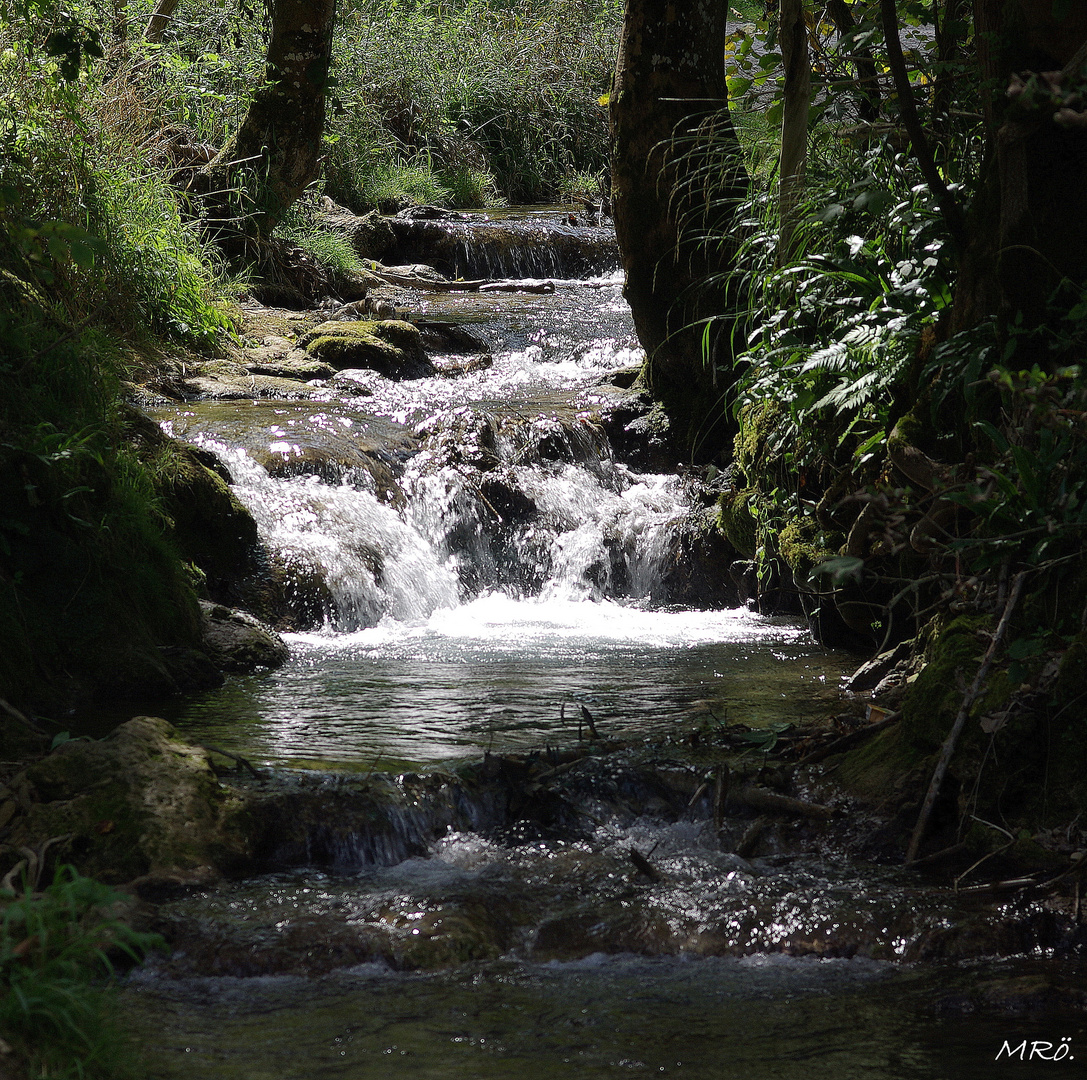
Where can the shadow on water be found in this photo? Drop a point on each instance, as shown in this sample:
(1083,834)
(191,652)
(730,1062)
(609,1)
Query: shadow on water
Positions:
(757,1018)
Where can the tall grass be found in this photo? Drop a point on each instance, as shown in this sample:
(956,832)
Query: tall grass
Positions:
(435,101)
(56,955)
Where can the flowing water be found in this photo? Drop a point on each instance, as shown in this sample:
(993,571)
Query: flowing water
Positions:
(486,562)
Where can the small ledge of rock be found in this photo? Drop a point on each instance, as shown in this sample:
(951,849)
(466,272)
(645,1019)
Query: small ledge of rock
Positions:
(239,642)
(138,804)
(392,347)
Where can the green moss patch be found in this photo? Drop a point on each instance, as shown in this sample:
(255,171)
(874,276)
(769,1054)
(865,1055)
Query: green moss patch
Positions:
(392,347)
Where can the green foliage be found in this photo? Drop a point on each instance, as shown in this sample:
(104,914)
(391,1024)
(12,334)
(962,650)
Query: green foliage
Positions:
(301,226)
(433,102)
(56,949)
(835,330)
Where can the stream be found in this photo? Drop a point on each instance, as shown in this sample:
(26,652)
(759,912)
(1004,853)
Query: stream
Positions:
(480,559)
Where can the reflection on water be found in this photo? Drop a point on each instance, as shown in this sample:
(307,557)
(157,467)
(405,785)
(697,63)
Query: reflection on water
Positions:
(759,1018)
(495,674)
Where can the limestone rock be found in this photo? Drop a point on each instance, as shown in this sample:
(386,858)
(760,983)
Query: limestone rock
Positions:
(239,642)
(139,803)
(391,347)
(370,235)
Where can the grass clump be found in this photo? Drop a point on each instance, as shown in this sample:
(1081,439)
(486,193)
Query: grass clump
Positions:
(57,955)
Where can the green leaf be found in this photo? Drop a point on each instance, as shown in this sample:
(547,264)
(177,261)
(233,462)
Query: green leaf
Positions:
(840,569)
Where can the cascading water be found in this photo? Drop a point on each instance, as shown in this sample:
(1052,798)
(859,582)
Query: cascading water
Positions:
(482,555)
(489,568)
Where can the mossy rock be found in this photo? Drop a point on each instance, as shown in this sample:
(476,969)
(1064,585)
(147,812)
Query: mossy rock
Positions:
(803,546)
(934,699)
(758,421)
(139,803)
(737,521)
(210,527)
(239,642)
(392,347)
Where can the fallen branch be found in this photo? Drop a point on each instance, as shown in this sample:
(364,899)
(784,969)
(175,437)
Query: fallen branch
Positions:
(239,760)
(645,866)
(760,799)
(960,720)
(407,281)
(854,737)
(15,714)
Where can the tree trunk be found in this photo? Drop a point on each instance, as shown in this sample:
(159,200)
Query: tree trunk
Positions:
(863,62)
(794,120)
(159,19)
(277,150)
(677,173)
(1029,227)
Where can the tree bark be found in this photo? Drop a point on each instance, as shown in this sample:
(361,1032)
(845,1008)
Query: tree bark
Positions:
(159,19)
(1029,226)
(677,173)
(275,153)
(794,120)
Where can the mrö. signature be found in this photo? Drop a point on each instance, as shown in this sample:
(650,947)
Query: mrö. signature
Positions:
(1037,1050)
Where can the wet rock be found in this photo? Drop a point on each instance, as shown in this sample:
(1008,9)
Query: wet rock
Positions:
(479,248)
(298,596)
(697,572)
(138,804)
(238,641)
(873,671)
(234,383)
(640,434)
(454,367)
(289,363)
(211,528)
(447,337)
(392,347)
(370,234)
(506,498)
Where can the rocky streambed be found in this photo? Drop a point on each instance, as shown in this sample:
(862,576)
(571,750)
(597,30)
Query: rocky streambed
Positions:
(511,781)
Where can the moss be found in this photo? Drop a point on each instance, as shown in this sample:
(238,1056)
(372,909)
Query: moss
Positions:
(209,526)
(138,802)
(737,522)
(803,546)
(391,346)
(758,421)
(935,697)
(889,768)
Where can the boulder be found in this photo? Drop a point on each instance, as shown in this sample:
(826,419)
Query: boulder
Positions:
(392,347)
(138,804)
(238,642)
(370,234)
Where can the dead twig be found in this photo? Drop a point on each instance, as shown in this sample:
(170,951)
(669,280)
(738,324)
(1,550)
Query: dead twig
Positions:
(767,801)
(854,737)
(238,760)
(960,720)
(645,866)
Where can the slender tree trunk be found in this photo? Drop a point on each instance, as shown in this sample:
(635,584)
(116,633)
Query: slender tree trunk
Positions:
(863,62)
(677,172)
(160,19)
(794,121)
(276,151)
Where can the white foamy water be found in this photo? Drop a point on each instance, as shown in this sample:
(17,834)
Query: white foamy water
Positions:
(488,567)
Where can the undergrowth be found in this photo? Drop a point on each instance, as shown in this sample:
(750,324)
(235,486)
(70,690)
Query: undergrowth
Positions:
(58,949)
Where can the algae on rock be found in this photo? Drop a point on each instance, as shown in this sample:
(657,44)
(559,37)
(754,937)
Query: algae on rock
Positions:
(140,803)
